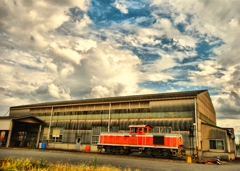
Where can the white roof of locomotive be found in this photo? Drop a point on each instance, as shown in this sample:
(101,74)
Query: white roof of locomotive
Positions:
(139,126)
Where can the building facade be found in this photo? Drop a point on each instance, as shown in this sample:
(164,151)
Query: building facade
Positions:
(76,124)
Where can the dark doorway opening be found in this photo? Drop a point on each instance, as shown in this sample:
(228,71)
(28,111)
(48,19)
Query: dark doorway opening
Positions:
(24,135)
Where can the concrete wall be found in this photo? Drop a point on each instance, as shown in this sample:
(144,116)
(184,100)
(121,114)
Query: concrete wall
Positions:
(211,132)
(68,146)
(5,124)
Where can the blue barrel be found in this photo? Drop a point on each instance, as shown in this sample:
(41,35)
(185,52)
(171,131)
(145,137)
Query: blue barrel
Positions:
(44,145)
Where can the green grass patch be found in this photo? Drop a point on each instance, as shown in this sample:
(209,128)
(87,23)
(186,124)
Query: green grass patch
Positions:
(12,164)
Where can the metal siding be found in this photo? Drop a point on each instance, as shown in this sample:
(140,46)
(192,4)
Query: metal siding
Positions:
(98,116)
(206,119)
(176,124)
(205,107)
(98,107)
(172,105)
(134,105)
(72,128)
(75,108)
(125,105)
(19,112)
(144,104)
(40,110)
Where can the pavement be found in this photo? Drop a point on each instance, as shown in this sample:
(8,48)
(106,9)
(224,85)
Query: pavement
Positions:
(237,159)
(131,161)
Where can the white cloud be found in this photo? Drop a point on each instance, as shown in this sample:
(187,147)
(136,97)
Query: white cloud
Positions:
(67,70)
(19,76)
(228,123)
(83,24)
(84,45)
(207,68)
(53,90)
(185,41)
(51,67)
(119,4)
(116,70)
(180,19)
(99,91)
(58,92)
(165,26)
(66,53)
(155,71)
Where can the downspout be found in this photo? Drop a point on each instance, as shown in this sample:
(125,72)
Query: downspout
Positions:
(50,125)
(109,117)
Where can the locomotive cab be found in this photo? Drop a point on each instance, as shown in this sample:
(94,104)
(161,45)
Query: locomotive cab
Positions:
(139,129)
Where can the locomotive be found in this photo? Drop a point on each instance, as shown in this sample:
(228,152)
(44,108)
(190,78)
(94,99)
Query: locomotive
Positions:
(141,140)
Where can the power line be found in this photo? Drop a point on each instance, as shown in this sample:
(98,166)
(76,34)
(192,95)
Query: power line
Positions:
(6,113)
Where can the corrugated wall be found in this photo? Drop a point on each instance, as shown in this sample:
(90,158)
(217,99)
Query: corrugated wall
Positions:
(19,112)
(78,120)
(205,108)
(172,105)
(176,124)
(72,129)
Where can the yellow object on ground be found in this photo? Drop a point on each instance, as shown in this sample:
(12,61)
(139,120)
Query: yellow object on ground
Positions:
(189,158)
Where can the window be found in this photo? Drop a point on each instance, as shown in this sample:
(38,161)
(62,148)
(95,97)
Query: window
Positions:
(97,130)
(216,144)
(161,129)
(134,130)
(55,134)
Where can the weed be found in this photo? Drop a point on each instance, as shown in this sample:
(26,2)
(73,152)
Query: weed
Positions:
(12,164)
(42,163)
(95,162)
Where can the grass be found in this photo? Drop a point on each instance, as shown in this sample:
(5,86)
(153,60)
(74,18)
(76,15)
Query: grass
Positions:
(10,164)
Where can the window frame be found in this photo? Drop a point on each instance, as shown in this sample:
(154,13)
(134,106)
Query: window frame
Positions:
(102,129)
(160,129)
(53,137)
(216,146)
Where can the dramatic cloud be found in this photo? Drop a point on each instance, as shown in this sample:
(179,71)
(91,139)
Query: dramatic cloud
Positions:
(62,50)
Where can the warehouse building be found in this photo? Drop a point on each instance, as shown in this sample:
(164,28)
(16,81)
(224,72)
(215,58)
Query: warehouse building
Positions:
(77,124)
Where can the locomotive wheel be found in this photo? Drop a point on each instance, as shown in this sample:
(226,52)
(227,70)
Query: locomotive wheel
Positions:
(114,150)
(167,154)
(149,153)
(127,152)
(108,150)
(122,151)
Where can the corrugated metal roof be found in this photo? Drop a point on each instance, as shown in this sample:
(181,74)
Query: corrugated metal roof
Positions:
(145,97)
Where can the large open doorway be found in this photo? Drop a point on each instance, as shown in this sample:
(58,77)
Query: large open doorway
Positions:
(24,135)
(25,132)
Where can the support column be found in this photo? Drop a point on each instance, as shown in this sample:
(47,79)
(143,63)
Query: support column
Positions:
(50,123)
(10,133)
(109,117)
(38,136)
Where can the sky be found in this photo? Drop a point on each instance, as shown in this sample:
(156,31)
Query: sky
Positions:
(67,50)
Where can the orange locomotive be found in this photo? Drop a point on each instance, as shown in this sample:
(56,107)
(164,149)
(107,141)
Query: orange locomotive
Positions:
(139,139)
